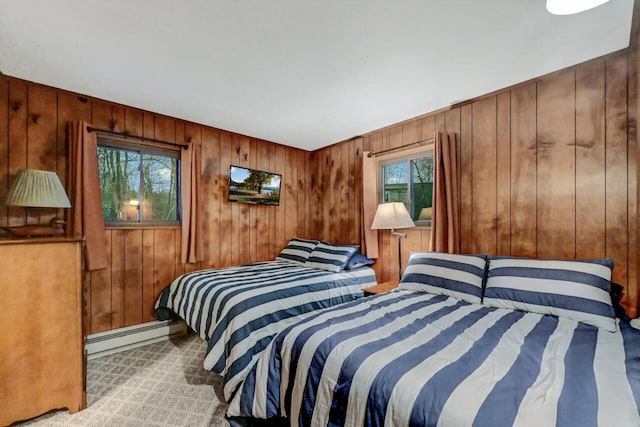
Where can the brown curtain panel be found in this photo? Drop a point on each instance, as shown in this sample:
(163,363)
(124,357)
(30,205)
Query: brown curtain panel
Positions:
(86,218)
(445,224)
(192,246)
(369,243)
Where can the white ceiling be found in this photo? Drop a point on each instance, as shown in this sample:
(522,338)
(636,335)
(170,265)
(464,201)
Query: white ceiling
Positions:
(305,73)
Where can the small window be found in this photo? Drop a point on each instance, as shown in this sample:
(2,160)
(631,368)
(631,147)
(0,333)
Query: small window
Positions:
(409,179)
(139,183)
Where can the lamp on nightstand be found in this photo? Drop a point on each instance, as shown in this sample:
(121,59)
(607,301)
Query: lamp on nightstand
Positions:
(37,189)
(391,216)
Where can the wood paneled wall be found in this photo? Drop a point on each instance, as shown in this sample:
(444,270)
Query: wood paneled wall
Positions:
(33,123)
(548,170)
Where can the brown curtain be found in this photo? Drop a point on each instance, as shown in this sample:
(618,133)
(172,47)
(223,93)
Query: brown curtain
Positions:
(86,218)
(445,228)
(369,244)
(192,247)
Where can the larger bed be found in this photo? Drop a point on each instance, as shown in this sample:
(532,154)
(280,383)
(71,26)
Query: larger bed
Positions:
(542,348)
(238,310)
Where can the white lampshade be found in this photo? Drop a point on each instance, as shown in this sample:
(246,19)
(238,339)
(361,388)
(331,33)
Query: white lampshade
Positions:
(569,7)
(37,189)
(391,215)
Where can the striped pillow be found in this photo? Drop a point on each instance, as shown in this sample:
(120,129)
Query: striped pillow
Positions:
(330,257)
(297,251)
(459,276)
(578,290)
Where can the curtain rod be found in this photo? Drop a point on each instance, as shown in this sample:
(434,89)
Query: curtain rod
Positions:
(127,136)
(400,147)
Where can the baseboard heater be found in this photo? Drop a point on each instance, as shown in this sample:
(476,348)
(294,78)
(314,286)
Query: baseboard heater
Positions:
(116,340)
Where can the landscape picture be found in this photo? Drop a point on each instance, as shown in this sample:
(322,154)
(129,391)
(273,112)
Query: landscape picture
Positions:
(254,186)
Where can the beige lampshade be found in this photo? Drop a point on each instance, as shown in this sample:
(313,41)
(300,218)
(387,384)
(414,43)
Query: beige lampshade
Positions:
(37,189)
(391,215)
(425,214)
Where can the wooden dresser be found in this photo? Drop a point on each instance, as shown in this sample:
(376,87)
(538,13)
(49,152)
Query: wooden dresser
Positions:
(41,337)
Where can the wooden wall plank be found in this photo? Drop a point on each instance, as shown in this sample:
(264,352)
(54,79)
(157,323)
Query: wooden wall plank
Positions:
(452,120)
(4,146)
(18,109)
(503,174)
(133,262)
(118,273)
(42,144)
(344,215)
(212,199)
(484,188)
(616,166)
(148,125)
(523,171)
(291,192)
(101,295)
(133,122)
(118,119)
(466,180)
(225,235)
(253,209)
(102,115)
(164,128)
(281,237)
(353,168)
(314,196)
(302,193)
(632,289)
(163,260)
(273,244)
(335,193)
(262,220)
(325,193)
(244,230)
(590,161)
(556,166)
(149,294)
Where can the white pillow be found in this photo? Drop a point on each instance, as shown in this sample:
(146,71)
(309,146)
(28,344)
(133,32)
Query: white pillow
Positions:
(297,251)
(578,290)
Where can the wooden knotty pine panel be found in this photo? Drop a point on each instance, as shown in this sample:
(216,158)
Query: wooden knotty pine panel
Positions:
(33,133)
(548,169)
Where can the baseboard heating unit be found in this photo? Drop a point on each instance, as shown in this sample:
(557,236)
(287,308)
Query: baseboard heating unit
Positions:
(116,340)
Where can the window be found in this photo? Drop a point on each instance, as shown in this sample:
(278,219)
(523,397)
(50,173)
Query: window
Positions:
(139,183)
(409,179)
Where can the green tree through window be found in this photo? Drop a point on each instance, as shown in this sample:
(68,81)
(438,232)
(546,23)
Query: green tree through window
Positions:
(137,184)
(409,179)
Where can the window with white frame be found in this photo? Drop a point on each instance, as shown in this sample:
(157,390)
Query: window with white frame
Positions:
(139,184)
(409,179)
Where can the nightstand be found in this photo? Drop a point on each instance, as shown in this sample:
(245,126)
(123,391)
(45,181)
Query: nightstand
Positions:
(381,287)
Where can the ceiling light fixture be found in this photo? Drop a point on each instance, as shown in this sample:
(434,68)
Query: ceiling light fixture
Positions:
(569,7)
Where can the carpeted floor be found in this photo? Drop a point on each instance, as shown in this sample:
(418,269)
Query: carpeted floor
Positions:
(161,385)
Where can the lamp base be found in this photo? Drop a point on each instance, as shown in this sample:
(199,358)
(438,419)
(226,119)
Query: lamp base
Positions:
(53,229)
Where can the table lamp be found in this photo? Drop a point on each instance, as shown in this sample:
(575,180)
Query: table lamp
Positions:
(37,189)
(391,216)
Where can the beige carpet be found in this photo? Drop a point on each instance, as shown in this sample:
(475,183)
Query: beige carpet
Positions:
(161,384)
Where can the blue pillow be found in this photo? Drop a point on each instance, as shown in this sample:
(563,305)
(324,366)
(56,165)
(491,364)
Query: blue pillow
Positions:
(297,251)
(358,260)
(578,290)
(330,257)
(458,276)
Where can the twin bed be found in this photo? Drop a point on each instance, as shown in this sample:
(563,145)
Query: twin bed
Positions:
(466,340)
(238,310)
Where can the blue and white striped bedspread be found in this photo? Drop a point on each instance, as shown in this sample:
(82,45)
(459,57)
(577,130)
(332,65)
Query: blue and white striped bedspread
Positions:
(238,310)
(414,359)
